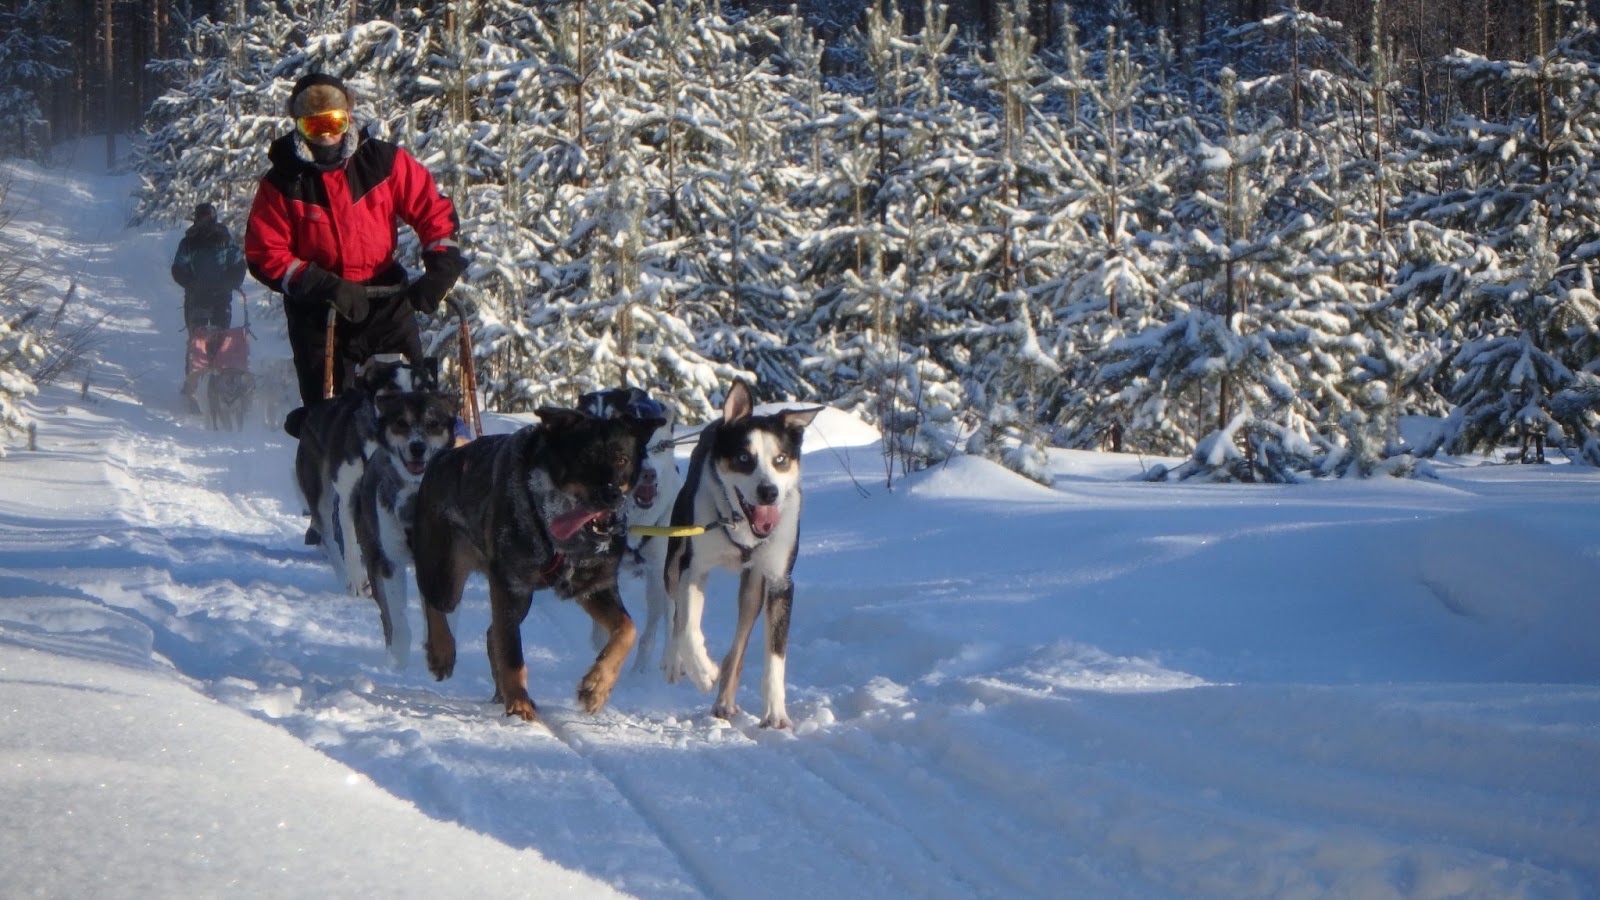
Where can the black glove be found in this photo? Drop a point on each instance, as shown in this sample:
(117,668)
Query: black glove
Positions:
(344,295)
(350,299)
(441,270)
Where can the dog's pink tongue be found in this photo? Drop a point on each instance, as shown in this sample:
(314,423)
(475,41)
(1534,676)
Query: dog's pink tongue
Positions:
(566,525)
(763,519)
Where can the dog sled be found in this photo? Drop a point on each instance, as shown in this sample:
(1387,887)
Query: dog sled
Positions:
(220,358)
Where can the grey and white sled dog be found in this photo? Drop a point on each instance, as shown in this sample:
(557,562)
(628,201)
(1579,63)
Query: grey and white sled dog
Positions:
(648,504)
(412,428)
(336,436)
(743,484)
(228,394)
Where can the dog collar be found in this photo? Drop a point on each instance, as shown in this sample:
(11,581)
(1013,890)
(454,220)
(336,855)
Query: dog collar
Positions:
(550,571)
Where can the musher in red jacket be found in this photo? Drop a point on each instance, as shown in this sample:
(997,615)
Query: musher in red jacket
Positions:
(323,229)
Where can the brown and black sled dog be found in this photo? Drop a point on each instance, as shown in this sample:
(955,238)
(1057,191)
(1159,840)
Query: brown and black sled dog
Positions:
(539,508)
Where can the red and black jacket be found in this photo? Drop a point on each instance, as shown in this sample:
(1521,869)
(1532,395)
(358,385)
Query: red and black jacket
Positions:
(342,219)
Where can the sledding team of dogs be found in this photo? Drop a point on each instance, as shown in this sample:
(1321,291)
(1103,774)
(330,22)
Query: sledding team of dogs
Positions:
(564,504)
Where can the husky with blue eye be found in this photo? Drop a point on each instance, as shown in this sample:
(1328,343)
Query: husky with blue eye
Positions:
(743,487)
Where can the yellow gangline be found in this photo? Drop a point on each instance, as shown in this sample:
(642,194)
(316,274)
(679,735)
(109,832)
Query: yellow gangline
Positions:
(667,530)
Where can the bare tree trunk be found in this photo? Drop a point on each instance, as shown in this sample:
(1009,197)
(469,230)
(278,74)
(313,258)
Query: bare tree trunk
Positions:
(1541,24)
(1294,90)
(583,77)
(110,85)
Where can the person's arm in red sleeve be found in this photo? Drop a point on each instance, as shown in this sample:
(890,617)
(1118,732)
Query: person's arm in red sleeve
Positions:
(432,216)
(267,240)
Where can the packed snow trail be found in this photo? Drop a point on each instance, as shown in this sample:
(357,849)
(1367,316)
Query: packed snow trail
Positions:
(1106,689)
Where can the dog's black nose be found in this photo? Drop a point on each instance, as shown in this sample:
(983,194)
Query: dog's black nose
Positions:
(418,449)
(767,494)
(608,495)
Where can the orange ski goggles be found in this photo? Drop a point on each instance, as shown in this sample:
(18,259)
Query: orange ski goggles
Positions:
(332,123)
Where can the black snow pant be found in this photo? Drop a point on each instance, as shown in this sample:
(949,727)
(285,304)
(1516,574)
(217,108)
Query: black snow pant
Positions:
(390,327)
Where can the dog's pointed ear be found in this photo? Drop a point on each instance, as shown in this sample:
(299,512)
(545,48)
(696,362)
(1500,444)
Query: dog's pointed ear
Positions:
(798,419)
(559,417)
(738,405)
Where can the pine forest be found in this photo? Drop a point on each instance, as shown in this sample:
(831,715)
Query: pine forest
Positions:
(1259,237)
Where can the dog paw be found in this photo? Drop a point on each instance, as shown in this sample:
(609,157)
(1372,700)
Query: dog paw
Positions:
(703,672)
(522,708)
(725,711)
(775,720)
(672,667)
(440,663)
(678,666)
(593,691)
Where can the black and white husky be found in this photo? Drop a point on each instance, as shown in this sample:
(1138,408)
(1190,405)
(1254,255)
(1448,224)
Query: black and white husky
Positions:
(336,436)
(649,504)
(412,429)
(743,483)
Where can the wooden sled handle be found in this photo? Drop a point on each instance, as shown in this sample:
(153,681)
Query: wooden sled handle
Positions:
(327,356)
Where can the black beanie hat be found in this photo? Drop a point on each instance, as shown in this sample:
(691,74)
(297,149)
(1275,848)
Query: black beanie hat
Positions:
(204,212)
(319,92)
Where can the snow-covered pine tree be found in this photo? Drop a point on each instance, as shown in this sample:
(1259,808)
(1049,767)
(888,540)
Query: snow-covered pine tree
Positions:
(18,350)
(1256,311)
(1113,192)
(1507,378)
(730,193)
(634,140)
(27,63)
(1017,378)
(205,138)
(1521,193)
(1346,346)
(879,249)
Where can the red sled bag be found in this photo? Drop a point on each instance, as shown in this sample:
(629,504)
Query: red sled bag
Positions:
(219,348)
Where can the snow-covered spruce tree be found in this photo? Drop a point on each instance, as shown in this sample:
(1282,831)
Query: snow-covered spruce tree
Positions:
(1520,192)
(1348,347)
(730,196)
(876,256)
(1262,312)
(1113,174)
(625,124)
(1015,378)
(28,55)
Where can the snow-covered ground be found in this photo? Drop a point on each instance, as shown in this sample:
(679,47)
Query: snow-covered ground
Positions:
(1105,689)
